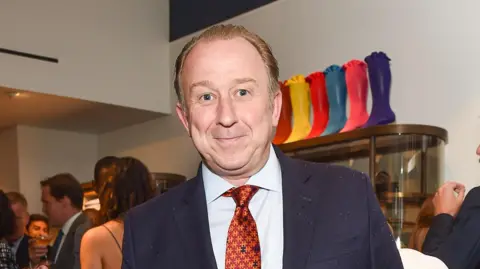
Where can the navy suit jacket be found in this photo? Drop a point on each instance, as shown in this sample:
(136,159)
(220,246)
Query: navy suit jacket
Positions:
(457,241)
(22,257)
(331,220)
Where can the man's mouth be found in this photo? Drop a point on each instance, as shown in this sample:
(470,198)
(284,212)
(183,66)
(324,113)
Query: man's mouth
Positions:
(229,139)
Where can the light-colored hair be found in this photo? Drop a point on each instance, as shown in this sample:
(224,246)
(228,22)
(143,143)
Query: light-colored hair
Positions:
(422,225)
(17,198)
(228,32)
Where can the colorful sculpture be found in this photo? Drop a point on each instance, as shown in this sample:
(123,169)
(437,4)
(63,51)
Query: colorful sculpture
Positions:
(319,99)
(300,100)
(357,89)
(337,98)
(380,77)
(284,127)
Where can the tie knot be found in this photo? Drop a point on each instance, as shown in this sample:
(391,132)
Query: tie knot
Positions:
(242,195)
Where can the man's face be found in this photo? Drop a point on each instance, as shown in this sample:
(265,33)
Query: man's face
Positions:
(21,220)
(229,113)
(38,228)
(52,207)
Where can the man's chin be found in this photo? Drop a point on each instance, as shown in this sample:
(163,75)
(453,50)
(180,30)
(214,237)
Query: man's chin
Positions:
(231,166)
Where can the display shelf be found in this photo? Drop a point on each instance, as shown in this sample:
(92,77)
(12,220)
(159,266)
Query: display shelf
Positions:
(404,161)
(367,142)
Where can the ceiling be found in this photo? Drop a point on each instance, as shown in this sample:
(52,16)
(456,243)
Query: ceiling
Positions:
(62,113)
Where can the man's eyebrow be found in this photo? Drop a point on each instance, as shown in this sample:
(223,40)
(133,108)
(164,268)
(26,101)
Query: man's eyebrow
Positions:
(202,83)
(209,84)
(245,80)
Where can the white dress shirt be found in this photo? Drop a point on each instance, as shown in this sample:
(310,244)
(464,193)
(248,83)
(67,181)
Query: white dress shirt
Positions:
(266,207)
(65,229)
(413,259)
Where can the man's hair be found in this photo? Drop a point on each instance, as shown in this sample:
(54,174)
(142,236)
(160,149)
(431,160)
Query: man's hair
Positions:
(65,185)
(37,217)
(17,198)
(104,162)
(227,32)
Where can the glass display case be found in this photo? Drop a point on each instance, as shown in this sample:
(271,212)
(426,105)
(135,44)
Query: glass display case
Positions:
(404,161)
(165,181)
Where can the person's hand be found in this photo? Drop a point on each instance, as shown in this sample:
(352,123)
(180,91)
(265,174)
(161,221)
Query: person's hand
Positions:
(36,251)
(449,198)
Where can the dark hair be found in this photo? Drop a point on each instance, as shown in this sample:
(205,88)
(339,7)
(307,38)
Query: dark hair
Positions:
(131,186)
(104,162)
(37,217)
(7,217)
(94,216)
(17,198)
(65,185)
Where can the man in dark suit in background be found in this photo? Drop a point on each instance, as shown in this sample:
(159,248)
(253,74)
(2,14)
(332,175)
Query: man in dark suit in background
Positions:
(62,198)
(18,241)
(454,236)
(250,206)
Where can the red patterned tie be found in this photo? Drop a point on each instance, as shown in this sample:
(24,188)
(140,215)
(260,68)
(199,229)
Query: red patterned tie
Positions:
(243,245)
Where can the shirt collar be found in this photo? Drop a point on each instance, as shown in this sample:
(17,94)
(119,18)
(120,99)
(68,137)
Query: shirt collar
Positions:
(70,221)
(269,178)
(15,244)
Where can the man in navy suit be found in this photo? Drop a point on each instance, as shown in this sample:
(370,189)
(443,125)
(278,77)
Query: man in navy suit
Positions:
(250,206)
(454,236)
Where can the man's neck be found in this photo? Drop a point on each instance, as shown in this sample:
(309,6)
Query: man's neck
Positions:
(69,216)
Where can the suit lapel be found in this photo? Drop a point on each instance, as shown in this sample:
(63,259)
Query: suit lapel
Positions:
(191,217)
(65,256)
(298,218)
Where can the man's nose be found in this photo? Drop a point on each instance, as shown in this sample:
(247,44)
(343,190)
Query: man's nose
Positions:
(226,114)
(478,150)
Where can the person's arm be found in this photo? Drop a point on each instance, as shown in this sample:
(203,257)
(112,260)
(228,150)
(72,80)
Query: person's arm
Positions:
(438,233)
(459,249)
(383,250)
(447,203)
(90,253)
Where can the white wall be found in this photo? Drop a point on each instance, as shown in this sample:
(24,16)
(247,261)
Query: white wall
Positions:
(434,50)
(161,144)
(110,51)
(8,160)
(44,152)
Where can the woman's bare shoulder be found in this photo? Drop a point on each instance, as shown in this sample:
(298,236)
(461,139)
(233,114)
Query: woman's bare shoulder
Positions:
(94,236)
(99,234)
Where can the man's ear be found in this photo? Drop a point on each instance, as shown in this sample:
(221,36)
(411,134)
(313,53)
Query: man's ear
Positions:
(65,201)
(277,107)
(183,116)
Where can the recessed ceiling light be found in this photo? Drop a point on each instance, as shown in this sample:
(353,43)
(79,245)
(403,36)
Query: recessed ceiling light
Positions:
(14,94)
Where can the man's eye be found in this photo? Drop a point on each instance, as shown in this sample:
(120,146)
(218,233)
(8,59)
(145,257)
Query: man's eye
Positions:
(206,97)
(242,92)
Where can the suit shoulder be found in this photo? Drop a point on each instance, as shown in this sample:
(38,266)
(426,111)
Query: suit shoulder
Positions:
(475,192)
(333,171)
(159,203)
(339,179)
(472,200)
